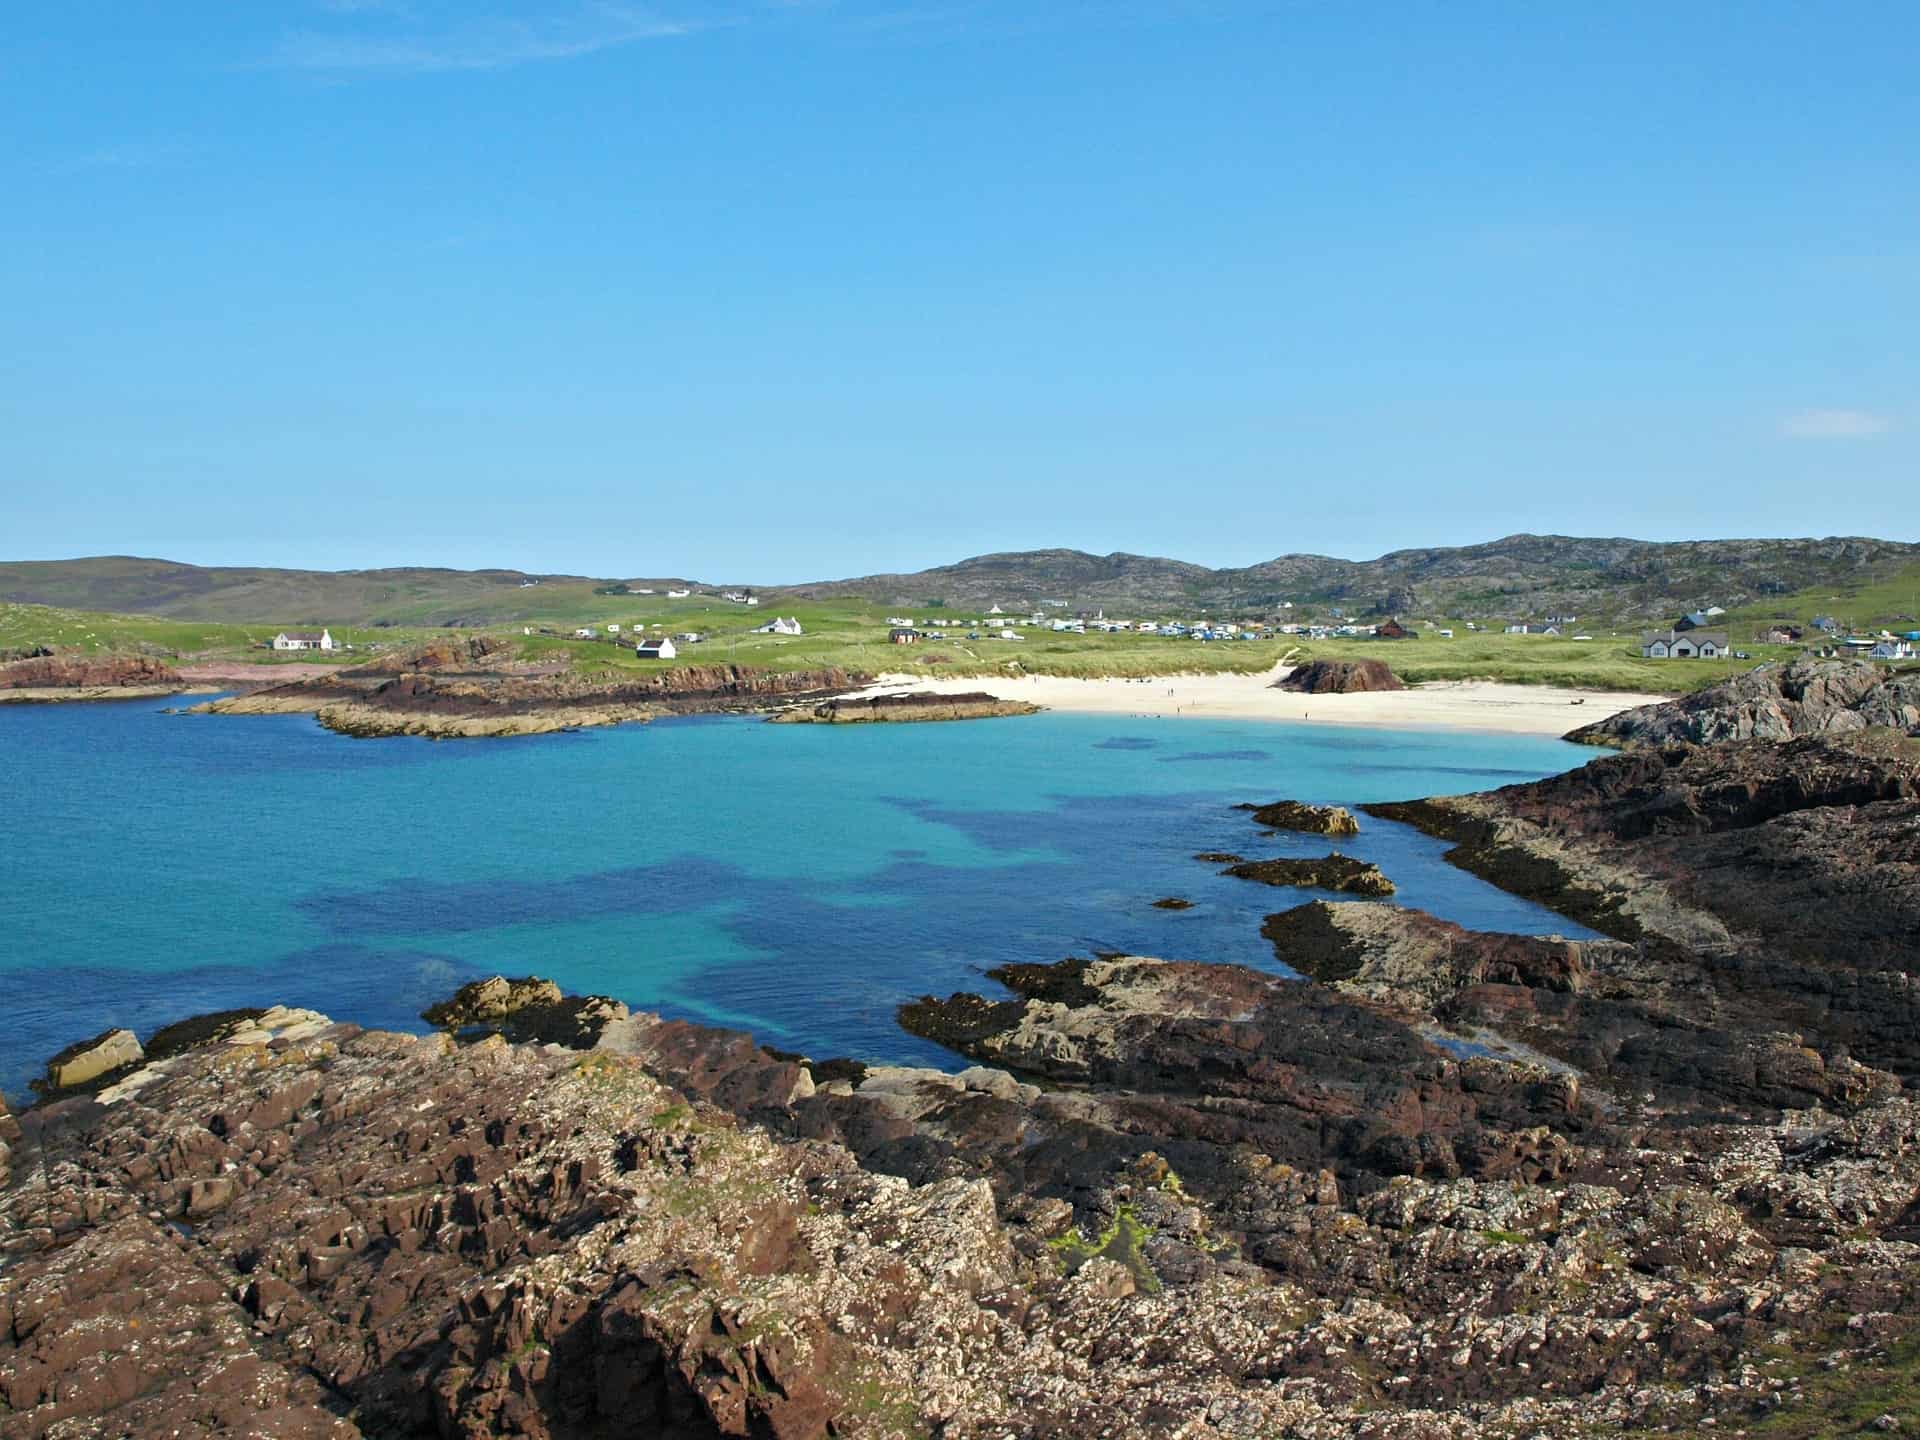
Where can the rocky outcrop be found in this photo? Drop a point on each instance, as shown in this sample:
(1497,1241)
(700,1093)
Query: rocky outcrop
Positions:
(1771,702)
(1285,1208)
(1309,819)
(1172,902)
(473,653)
(87,1060)
(1340,873)
(867,709)
(75,671)
(460,706)
(1599,1009)
(1340,677)
(526,1009)
(1777,885)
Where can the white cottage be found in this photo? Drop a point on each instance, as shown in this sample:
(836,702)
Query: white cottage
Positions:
(1684,645)
(303,640)
(657,648)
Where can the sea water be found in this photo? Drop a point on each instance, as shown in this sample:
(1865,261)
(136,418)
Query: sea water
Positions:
(797,881)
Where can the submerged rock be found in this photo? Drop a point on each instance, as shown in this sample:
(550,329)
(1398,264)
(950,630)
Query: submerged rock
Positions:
(1309,819)
(1173,902)
(1341,873)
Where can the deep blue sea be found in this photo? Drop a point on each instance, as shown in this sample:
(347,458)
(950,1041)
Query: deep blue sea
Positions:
(797,881)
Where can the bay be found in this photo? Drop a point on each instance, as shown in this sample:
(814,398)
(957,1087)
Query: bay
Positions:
(796,881)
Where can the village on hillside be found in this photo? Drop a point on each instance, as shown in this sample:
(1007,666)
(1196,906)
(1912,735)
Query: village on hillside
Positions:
(1701,634)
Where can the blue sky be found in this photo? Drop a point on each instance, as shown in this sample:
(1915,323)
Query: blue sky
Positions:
(788,289)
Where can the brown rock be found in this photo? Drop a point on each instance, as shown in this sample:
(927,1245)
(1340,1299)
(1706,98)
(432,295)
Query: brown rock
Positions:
(1340,677)
(1329,872)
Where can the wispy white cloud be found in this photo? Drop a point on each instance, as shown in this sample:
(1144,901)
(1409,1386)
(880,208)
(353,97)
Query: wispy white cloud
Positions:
(1834,425)
(485,43)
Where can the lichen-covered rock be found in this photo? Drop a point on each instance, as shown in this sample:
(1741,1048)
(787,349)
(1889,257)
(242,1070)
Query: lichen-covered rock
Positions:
(291,1227)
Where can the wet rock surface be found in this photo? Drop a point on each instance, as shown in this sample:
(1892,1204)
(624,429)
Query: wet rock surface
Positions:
(1339,873)
(1340,677)
(1772,702)
(1309,819)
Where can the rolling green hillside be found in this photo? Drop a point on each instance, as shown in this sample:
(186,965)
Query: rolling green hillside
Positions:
(1624,583)
(1522,577)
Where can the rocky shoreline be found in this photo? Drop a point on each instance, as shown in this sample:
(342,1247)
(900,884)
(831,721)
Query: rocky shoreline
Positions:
(53,677)
(1449,1184)
(435,696)
(908,708)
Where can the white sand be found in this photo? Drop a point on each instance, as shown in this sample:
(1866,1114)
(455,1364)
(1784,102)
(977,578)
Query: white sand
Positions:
(1445,704)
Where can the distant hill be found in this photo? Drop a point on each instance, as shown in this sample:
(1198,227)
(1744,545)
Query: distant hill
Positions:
(126,584)
(1519,577)
(1516,578)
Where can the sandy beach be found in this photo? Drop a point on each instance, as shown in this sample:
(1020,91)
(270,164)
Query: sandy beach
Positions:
(1449,704)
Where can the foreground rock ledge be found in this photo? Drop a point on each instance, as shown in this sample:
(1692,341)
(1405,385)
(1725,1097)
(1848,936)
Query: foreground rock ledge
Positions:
(300,1228)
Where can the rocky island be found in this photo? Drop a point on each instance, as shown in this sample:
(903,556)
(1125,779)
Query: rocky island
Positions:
(1448,1183)
(467,689)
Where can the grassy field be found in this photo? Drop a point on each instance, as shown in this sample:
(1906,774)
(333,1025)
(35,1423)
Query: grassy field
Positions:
(853,635)
(1892,604)
(1606,662)
(28,625)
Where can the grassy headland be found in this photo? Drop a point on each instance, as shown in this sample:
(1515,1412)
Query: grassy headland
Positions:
(853,635)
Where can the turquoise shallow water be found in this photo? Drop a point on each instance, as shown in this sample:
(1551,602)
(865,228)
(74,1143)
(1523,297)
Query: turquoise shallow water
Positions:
(798,881)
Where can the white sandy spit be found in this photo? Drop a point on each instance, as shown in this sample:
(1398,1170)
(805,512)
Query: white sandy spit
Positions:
(1444,704)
